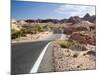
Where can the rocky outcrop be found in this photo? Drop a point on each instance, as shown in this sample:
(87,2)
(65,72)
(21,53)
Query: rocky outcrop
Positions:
(70,30)
(74,20)
(14,25)
(83,38)
(89,18)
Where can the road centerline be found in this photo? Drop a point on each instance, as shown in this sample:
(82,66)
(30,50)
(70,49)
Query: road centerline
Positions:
(38,61)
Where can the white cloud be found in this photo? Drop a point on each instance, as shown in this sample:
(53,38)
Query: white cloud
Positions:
(75,10)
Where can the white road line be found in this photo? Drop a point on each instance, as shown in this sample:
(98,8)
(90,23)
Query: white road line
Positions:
(38,61)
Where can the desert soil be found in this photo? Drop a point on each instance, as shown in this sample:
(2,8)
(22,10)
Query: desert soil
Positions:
(70,60)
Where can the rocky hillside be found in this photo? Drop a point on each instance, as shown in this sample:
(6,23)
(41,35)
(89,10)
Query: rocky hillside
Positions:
(72,19)
(89,18)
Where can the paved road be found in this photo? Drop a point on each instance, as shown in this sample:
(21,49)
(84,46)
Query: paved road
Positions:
(24,55)
(47,63)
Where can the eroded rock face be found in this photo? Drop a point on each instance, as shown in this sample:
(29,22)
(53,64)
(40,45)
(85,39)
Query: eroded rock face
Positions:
(74,20)
(83,38)
(89,18)
(14,25)
(78,20)
(70,30)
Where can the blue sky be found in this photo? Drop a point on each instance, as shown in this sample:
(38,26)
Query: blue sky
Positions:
(40,10)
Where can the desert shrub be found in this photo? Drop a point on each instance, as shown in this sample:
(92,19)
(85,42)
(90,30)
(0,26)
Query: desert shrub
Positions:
(65,44)
(72,45)
(92,27)
(17,34)
(14,36)
(33,29)
(38,28)
(46,28)
(78,47)
(81,28)
(91,53)
(75,55)
(13,30)
(27,30)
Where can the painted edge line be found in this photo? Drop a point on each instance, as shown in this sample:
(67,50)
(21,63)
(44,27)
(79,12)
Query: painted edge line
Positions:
(38,61)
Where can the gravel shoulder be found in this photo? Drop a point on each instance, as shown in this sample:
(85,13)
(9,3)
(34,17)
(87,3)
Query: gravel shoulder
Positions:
(70,60)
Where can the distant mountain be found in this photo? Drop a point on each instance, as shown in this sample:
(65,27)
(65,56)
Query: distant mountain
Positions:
(86,18)
(75,20)
(89,18)
(43,21)
(72,19)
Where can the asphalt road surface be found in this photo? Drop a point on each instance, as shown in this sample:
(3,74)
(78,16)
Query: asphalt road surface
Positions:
(24,55)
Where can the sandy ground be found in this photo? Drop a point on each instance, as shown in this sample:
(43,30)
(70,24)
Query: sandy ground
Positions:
(69,60)
(35,37)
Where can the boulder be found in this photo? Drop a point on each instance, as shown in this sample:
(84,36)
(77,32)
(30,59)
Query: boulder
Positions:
(83,38)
